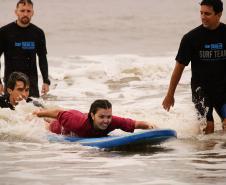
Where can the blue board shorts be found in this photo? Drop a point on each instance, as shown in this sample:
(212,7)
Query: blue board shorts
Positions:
(223,111)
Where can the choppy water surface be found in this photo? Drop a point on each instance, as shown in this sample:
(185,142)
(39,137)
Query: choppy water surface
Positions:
(189,161)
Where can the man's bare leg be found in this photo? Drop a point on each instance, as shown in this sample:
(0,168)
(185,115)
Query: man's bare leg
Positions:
(224,124)
(210,127)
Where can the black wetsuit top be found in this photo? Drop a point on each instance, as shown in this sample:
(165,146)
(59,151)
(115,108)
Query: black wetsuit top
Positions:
(20,46)
(5,103)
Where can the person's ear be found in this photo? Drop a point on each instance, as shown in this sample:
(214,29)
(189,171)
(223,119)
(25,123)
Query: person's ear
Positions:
(9,91)
(92,116)
(220,14)
(15,12)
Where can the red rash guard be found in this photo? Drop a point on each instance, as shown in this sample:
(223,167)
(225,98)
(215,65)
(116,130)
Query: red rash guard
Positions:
(76,123)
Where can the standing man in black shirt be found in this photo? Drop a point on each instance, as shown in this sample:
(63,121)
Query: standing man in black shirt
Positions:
(205,48)
(20,41)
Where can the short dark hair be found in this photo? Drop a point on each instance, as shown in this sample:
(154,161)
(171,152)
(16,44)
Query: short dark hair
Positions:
(216,4)
(17,76)
(24,2)
(100,103)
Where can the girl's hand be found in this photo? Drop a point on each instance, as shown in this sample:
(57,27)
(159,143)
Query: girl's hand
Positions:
(152,126)
(37,112)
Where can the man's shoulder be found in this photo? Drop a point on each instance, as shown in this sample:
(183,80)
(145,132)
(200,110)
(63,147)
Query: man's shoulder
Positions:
(35,28)
(223,26)
(8,26)
(194,33)
(3,98)
(195,30)
(4,102)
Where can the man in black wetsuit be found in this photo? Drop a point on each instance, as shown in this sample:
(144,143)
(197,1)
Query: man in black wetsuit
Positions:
(17,89)
(20,41)
(205,48)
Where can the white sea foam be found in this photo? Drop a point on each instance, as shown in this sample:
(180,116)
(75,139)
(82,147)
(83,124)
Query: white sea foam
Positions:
(136,86)
(21,125)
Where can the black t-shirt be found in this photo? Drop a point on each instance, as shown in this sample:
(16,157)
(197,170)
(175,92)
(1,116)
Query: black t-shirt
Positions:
(20,46)
(206,50)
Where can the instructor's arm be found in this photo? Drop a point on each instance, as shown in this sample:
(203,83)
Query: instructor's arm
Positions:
(175,78)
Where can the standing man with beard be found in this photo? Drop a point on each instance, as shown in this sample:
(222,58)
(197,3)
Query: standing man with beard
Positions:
(21,41)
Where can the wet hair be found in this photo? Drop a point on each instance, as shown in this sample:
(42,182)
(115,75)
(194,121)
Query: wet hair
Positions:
(24,2)
(98,104)
(17,76)
(216,4)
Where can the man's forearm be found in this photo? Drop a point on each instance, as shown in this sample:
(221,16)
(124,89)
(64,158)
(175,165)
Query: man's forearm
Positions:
(176,76)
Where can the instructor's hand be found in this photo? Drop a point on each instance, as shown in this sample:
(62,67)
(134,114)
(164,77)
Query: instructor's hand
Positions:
(45,88)
(168,102)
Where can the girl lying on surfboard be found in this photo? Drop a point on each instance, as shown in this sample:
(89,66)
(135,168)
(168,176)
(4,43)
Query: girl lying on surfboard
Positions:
(97,123)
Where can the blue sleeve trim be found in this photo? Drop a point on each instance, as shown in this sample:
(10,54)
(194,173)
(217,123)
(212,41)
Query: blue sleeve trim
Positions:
(223,111)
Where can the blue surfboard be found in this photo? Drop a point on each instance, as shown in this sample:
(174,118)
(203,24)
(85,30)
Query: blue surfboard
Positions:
(146,137)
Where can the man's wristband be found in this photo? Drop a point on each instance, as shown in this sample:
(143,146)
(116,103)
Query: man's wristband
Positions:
(47,81)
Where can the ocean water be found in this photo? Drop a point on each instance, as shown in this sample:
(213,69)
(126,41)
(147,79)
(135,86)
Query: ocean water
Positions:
(121,50)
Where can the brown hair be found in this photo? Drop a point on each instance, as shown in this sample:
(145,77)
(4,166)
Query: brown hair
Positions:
(216,4)
(24,2)
(17,76)
(97,104)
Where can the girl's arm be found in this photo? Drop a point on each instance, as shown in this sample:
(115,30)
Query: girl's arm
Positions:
(50,113)
(144,125)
